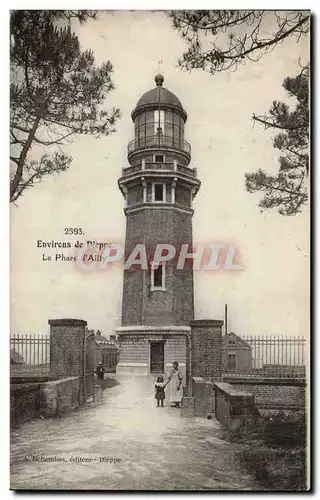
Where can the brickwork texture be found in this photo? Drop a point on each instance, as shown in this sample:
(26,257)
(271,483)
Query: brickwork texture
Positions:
(141,305)
(206,344)
(24,403)
(276,392)
(67,338)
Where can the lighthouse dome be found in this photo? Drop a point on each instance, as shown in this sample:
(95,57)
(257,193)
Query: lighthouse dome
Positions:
(159,96)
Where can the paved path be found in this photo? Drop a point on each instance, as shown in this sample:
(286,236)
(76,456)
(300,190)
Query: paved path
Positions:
(156,448)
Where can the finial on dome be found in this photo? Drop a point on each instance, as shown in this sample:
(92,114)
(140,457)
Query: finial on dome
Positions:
(159,80)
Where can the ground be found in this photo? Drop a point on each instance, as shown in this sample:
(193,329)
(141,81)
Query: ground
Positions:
(155,448)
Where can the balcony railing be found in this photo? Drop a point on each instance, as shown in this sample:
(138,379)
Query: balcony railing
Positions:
(156,141)
(159,166)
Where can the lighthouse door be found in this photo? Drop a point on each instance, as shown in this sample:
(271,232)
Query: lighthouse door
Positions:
(156,357)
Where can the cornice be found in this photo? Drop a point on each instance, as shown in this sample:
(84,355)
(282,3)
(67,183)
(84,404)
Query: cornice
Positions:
(158,206)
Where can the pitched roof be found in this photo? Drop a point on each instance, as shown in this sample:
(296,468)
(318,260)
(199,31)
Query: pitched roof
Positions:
(16,357)
(231,336)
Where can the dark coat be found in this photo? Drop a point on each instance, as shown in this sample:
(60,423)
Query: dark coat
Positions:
(100,371)
(160,394)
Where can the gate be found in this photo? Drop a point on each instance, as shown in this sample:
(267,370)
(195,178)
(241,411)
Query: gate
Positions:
(89,366)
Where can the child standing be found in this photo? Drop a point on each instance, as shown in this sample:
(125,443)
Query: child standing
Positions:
(160,387)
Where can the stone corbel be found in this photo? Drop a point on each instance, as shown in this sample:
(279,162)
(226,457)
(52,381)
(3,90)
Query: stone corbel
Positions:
(124,190)
(193,192)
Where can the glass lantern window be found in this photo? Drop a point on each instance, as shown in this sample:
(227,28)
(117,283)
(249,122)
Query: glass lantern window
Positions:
(158,121)
(171,128)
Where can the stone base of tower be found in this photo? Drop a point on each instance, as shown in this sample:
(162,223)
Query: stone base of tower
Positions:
(146,350)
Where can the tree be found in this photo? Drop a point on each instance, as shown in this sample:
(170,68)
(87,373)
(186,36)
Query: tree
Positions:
(220,40)
(287,191)
(56,91)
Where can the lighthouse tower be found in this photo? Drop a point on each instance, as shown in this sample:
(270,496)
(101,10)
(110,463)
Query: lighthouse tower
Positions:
(158,186)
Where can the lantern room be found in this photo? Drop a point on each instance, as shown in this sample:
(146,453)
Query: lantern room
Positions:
(159,120)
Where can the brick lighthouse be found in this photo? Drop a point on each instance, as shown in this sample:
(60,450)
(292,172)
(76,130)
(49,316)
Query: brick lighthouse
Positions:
(158,186)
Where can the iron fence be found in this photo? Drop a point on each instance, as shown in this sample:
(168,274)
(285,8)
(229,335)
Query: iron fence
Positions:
(267,355)
(29,354)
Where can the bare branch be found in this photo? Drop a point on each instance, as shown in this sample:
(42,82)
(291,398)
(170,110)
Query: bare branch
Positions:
(195,26)
(56,92)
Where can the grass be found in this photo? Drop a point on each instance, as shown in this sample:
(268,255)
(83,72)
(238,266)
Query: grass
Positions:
(275,450)
(276,469)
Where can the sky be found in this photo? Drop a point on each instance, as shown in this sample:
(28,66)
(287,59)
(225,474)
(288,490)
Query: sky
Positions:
(271,295)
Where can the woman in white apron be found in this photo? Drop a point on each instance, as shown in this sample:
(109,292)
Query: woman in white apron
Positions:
(175,385)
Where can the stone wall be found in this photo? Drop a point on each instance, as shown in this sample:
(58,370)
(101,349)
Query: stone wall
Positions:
(59,396)
(272,392)
(24,403)
(234,409)
(48,399)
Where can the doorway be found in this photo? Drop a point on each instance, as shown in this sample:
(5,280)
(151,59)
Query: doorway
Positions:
(156,357)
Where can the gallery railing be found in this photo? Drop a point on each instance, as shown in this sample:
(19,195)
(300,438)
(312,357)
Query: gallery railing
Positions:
(156,141)
(159,166)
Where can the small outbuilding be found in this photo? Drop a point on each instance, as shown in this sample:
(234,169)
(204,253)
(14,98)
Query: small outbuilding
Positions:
(236,354)
(104,350)
(15,358)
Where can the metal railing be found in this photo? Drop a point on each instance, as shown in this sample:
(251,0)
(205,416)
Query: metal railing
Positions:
(159,141)
(29,354)
(267,355)
(159,166)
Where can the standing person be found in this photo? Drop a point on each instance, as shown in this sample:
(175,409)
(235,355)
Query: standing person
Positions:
(160,387)
(100,371)
(175,383)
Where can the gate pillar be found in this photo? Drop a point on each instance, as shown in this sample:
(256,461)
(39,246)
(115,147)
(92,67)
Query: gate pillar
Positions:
(67,350)
(206,345)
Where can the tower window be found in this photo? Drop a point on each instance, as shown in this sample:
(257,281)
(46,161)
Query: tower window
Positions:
(158,277)
(159,158)
(158,192)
